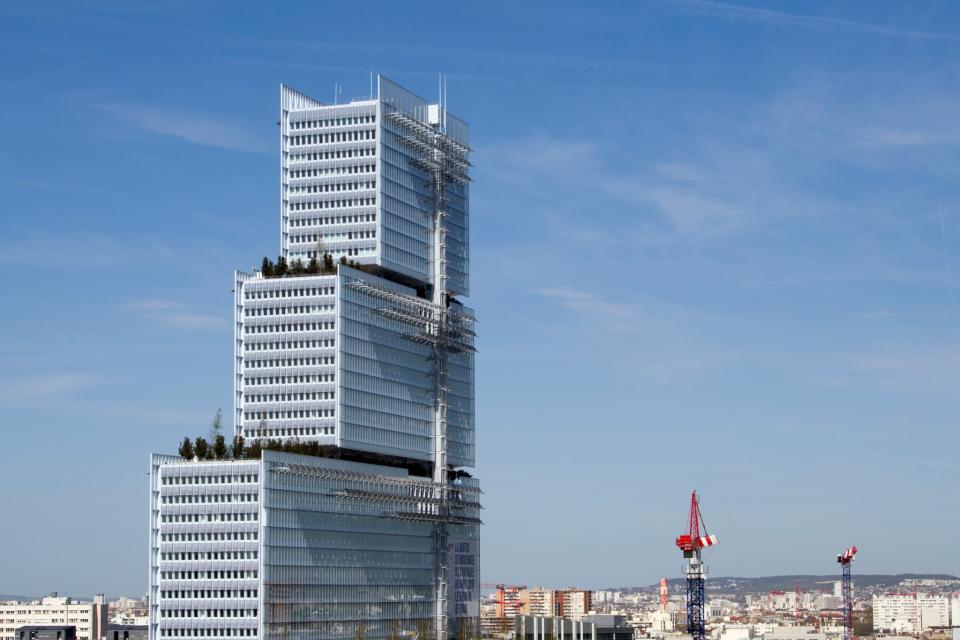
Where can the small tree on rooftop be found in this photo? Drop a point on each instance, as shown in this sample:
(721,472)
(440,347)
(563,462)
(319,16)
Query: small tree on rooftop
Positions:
(219,447)
(202,448)
(236,449)
(313,266)
(297,267)
(266,267)
(216,424)
(186,449)
(254,451)
(343,259)
(281,268)
(328,266)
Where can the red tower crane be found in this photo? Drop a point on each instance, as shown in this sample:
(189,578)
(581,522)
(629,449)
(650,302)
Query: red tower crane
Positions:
(691,543)
(845,559)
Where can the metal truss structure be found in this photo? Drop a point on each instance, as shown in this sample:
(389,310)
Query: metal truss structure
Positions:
(437,324)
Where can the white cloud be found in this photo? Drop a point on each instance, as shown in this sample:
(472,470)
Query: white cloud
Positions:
(741,13)
(587,303)
(205,130)
(173,314)
(28,388)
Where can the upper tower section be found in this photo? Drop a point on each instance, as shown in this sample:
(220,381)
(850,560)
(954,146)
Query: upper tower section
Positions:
(356,181)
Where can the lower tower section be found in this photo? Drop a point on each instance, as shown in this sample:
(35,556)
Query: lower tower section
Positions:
(295,547)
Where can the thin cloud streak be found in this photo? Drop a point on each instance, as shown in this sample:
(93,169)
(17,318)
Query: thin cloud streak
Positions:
(741,13)
(586,302)
(173,314)
(204,130)
(33,388)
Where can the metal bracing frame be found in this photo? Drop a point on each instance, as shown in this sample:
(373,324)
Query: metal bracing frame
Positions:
(847,592)
(374,496)
(369,478)
(695,597)
(447,331)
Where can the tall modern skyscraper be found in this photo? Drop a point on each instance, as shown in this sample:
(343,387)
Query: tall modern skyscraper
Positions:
(355,340)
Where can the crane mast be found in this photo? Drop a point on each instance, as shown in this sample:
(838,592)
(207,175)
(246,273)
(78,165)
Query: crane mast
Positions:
(691,544)
(846,587)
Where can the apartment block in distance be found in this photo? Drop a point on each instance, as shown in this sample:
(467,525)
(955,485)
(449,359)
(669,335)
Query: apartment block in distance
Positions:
(572,603)
(353,512)
(910,612)
(89,618)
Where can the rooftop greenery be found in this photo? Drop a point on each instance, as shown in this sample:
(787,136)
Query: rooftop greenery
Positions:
(200,449)
(323,267)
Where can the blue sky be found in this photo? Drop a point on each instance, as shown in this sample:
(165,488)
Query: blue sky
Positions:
(715,246)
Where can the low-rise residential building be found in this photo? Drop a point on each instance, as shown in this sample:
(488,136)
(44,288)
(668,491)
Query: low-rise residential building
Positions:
(910,612)
(89,618)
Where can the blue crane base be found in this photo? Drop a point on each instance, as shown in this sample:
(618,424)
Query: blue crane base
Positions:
(695,624)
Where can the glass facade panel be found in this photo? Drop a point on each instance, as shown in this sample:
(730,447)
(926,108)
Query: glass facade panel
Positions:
(340,559)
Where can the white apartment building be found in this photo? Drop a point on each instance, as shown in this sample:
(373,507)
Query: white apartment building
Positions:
(910,612)
(573,603)
(90,618)
(540,602)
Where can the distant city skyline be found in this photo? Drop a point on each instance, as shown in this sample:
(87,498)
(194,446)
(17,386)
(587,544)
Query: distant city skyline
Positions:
(732,233)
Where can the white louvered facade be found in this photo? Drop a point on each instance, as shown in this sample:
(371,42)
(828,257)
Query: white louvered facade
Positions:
(347,186)
(372,355)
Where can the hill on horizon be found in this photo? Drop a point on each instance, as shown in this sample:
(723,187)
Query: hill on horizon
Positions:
(805,582)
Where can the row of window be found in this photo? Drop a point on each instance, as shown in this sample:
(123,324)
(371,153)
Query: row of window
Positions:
(209,555)
(307,222)
(350,169)
(294,253)
(280,433)
(206,633)
(187,499)
(289,327)
(277,415)
(332,122)
(218,536)
(332,204)
(260,294)
(208,613)
(208,517)
(286,311)
(266,380)
(233,479)
(330,237)
(209,593)
(283,397)
(293,344)
(332,155)
(339,136)
(206,575)
(285,362)
(330,187)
